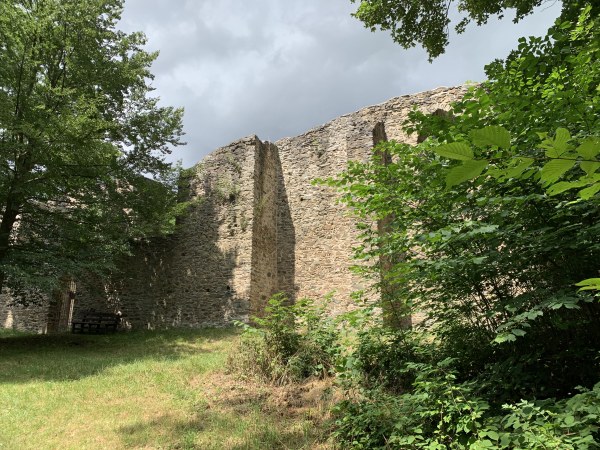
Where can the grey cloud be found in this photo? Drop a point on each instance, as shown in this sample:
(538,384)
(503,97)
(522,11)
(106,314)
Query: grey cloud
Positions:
(279,68)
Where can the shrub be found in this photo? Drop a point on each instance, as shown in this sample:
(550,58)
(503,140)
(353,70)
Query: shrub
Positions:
(290,343)
(440,413)
(382,356)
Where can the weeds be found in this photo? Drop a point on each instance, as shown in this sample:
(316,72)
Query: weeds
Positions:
(291,343)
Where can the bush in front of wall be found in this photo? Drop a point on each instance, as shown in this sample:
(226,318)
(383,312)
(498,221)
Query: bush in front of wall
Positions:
(292,342)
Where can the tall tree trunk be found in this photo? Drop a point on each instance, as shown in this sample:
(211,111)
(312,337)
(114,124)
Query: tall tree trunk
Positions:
(9,218)
(13,203)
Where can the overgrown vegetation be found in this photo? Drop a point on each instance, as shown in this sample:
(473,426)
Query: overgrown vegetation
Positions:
(290,343)
(494,223)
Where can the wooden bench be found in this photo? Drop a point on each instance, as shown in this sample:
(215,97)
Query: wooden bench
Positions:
(94,322)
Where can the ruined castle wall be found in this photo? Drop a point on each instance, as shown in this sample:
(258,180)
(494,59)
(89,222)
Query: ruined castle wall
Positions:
(324,233)
(255,225)
(32,318)
(200,276)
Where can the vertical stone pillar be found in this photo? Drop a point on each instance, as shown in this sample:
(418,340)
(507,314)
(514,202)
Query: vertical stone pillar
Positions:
(396,314)
(264,272)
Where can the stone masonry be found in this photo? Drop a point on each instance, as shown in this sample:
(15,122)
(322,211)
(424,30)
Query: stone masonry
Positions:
(255,225)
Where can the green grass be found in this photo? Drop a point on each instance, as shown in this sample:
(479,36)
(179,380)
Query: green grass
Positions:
(136,390)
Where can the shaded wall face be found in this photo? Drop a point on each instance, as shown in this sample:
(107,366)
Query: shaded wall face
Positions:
(264,278)
(32,318)
(286,239)
(200,276)
(134,290)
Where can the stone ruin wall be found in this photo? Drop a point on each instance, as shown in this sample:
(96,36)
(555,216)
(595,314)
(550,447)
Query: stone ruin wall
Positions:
(324,231)
(46,313)
(199,276)
(256,225)
(32,318)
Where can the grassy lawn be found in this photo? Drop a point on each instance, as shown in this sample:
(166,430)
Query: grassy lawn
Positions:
(148,390)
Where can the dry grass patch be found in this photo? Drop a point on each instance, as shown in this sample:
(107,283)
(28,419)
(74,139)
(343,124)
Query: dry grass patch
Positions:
(290,416)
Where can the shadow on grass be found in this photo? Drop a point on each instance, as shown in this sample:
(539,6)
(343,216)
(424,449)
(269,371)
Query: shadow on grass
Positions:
(176,433)
(27,358)
(220,430)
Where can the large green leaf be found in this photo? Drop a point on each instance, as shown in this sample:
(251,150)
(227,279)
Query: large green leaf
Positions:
(561,140)
(492,135)
(589,284)
(466,171)
(554,169)
(589,192)
(557,146)
(589,148)
(455,150)
(563,186)
(589,167)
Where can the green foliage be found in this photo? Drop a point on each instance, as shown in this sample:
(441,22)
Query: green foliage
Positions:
(380,359)
(413,22)
(562,156)
(495,221)
(290,343)
(441,413)
(80,138)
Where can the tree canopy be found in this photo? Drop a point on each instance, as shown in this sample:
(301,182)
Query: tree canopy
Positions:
(82,140)
(413,22)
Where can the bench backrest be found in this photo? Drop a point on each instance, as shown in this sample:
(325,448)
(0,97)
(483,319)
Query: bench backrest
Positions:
(98,317)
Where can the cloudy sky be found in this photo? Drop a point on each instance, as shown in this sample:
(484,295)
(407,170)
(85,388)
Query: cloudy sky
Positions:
(277,68)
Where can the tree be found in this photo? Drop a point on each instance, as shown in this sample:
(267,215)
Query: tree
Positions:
(82,140)
(497,217)
(413,22)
